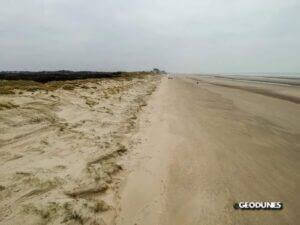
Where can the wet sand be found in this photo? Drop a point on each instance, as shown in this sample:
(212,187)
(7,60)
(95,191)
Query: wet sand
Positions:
(212,143)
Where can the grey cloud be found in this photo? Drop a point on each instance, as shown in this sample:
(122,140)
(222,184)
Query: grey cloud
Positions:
(179,36)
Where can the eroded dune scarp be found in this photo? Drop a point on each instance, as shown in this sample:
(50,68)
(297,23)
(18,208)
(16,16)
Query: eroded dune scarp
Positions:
(60,145)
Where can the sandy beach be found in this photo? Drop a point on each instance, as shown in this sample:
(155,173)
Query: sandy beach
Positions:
(213,142)
(150,150)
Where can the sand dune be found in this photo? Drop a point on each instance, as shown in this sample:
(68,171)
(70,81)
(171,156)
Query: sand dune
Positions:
(60,147)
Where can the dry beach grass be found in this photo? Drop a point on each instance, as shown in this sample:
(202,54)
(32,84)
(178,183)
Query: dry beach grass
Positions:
(61,144)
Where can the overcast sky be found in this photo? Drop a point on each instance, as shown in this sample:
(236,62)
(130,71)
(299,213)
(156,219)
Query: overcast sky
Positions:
(178,36)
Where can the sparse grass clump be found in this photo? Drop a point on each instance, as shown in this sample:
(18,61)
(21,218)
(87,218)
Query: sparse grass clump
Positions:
(4,91)
(46,212)
(7,105)
(74,216)
(8,86)
(90,102)
(100,207)
(68,87)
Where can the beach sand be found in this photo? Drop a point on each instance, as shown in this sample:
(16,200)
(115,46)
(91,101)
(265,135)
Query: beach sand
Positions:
(150,151)
(213,142)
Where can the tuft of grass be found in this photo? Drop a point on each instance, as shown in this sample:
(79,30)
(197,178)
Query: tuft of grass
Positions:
(4,91)
(100,206)
(2,188)
(71,214)
(9,86)
(76,216)
(45,212)
(90,102)
(68,87)
(7,105)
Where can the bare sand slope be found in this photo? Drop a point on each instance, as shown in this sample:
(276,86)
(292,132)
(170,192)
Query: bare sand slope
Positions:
(61,145)
(208,146)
